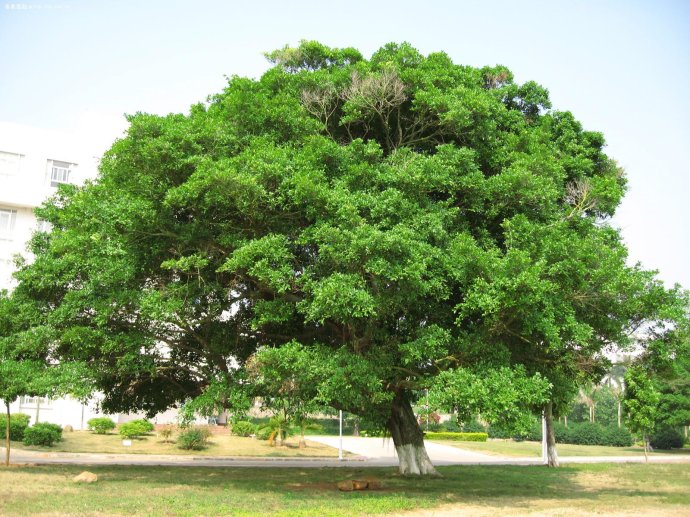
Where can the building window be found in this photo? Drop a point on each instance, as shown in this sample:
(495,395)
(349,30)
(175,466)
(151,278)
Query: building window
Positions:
(7,218)
(9,163)
(26,401)
(60,172)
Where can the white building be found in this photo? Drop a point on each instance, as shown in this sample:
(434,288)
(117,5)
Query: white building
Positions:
(32,163)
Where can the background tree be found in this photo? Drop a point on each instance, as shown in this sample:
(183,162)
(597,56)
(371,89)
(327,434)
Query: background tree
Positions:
(641,400)
(386,219)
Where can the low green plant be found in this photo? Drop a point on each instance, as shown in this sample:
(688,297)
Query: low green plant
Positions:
(18,424)
(100,425)
(243,428)
(43,434)
(666,438)
(193,439)
(462,437)
(135,428)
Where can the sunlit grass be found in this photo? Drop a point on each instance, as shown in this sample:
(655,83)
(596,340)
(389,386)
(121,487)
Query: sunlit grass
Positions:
(533,449)
(632,489)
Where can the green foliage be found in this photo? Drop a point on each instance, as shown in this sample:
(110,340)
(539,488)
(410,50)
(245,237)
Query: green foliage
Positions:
(666,438)
(462,437)
(243,428)
(135,428)
(504,396)
(640,400)
(101,425)
(618,436)
(473,426)
(345,232)
(193,439)
(576,433)
(43,434)
(18,424)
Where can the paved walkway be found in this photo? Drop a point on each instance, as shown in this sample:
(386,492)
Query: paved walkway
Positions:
(368,452)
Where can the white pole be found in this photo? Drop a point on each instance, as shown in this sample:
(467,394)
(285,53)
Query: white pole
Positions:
(544,453)
(340,449)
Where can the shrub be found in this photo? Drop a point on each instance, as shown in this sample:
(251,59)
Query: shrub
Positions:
(144,424)
(166,433)
(586,433)
(472,426)
(101,425)
(618,436)
(463,437)
(193,439)
(243,428)
(452,426)
(135,428)
(18,424)
(263,432)
(43,434)
(666,438)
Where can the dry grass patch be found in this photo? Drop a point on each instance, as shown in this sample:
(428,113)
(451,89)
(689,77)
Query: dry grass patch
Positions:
(220,444)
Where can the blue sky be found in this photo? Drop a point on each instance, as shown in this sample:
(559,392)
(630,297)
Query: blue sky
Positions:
(622,67)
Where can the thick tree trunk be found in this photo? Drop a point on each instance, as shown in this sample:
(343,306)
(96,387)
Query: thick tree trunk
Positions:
(409,440)
(7,436)
(551,453)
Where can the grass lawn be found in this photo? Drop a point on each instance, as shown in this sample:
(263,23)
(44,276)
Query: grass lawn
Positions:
(523,449)
(220,445)
(621,489)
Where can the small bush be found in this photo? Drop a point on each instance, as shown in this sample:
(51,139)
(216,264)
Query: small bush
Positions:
(18,424)
(43,434)
(101,425)
(166,433)
(667,438)
(618,436)
(243,428)
(144,424)
(470,427)
(263,433)
(193,439)
(135,428)
(463,437)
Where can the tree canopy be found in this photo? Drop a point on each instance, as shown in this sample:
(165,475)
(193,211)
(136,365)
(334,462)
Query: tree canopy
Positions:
(378,221)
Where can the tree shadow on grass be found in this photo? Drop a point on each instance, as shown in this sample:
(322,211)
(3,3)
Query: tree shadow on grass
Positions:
(308,489)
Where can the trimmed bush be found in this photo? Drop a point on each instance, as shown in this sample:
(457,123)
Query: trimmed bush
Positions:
(463,437)
(135,428)
(243,428)
(192,440)
(43,434)
(144,424)
(618,436)
(18,424)
(666,438)
(101,425)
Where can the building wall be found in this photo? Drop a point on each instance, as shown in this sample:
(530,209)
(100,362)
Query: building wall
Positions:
(27,156)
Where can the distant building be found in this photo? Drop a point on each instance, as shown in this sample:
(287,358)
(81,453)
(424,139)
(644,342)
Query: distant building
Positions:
(33,163)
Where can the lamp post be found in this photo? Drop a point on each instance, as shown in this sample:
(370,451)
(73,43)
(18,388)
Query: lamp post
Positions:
(340,448)
(544,451)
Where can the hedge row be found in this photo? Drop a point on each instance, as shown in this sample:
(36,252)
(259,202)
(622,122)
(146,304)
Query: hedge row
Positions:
(462,437)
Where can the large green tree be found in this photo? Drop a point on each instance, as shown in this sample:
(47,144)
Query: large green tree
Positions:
(389,218)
